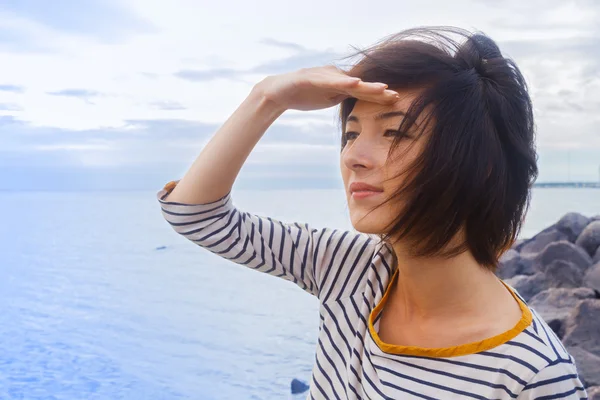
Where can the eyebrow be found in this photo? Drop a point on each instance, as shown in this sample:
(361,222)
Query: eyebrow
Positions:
(378,117)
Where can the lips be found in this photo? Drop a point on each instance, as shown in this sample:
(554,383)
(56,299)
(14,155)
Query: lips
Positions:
(362,190)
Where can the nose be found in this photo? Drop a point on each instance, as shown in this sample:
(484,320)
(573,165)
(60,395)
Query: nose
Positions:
(359,154)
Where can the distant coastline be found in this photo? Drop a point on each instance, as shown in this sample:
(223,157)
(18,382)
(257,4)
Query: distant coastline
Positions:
(583,185)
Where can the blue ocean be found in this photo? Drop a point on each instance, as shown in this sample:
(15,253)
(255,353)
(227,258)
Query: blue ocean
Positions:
(101,299)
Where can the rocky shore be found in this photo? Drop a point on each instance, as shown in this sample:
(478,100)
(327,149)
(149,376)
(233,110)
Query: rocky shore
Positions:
(558,273)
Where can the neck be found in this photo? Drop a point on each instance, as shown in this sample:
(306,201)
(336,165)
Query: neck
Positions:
(441,288)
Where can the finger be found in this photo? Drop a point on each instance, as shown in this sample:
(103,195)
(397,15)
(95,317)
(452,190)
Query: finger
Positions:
(354,87)
(372,87)
(339,83)
(346,83)
(368,91)
(382,97)
(358,84)
(343,82)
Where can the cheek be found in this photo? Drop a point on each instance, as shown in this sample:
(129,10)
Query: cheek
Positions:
(396,167)
(345,172)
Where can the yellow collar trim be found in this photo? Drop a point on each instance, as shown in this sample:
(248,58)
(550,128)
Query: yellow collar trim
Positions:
(455,351)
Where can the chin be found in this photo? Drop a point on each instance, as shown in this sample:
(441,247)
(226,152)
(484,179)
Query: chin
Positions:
(369,224)
(368,230)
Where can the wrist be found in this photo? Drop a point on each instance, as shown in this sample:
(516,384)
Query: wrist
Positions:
(266,103)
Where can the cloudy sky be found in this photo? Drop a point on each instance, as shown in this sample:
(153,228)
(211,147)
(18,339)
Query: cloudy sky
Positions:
(113,94)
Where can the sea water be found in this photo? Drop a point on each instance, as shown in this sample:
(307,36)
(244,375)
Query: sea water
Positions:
(101,299)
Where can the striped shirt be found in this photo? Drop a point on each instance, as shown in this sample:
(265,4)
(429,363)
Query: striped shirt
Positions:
(350,274)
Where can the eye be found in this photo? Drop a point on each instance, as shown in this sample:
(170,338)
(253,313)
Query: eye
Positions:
(350,136)
(392,132)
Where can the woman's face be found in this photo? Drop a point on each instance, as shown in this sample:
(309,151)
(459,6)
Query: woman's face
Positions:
(370,131)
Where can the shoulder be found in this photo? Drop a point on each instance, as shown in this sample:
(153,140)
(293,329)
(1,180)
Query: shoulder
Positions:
(557,380)
(554,369)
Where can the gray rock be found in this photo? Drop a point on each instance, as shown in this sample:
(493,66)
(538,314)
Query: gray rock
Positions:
(518,244)
(572,224)
(593,393)
(562,250)
(589,239)
(555,305)
(558,273)
(588,366)
(298,386)
(528,285)
(527,267)
(583,326)
(539,242)
(592,277)
(563,274)
(511,264)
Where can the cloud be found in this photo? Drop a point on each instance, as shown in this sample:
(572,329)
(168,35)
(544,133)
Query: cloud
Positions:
(9,107)
(71,147)
(104,20)
(83,94)
(581,47)
(9,120)
(210,74)
(147,153)
(18,39)
(82,109)
(151,152)
(167,106)
(75,93)
(149,75)
(145,141)
(11,88)
(303,59)
(283,45)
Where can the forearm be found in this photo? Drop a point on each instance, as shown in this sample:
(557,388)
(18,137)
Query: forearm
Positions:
(214,171)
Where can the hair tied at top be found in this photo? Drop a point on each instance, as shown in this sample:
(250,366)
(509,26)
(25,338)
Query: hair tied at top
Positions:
(478,160)
(486,47)
(477,52)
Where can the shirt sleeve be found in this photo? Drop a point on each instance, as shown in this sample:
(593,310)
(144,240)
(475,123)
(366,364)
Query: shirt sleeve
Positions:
(558,380)
(292,251)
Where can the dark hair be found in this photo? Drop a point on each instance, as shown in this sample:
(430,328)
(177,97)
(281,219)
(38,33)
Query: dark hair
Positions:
(479,162)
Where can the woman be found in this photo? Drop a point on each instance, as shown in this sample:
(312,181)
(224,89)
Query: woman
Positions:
(437,160)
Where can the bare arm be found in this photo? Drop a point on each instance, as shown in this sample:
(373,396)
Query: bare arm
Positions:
(199,207)
(213,173)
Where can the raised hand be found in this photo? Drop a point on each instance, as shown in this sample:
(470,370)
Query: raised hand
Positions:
(321,87)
